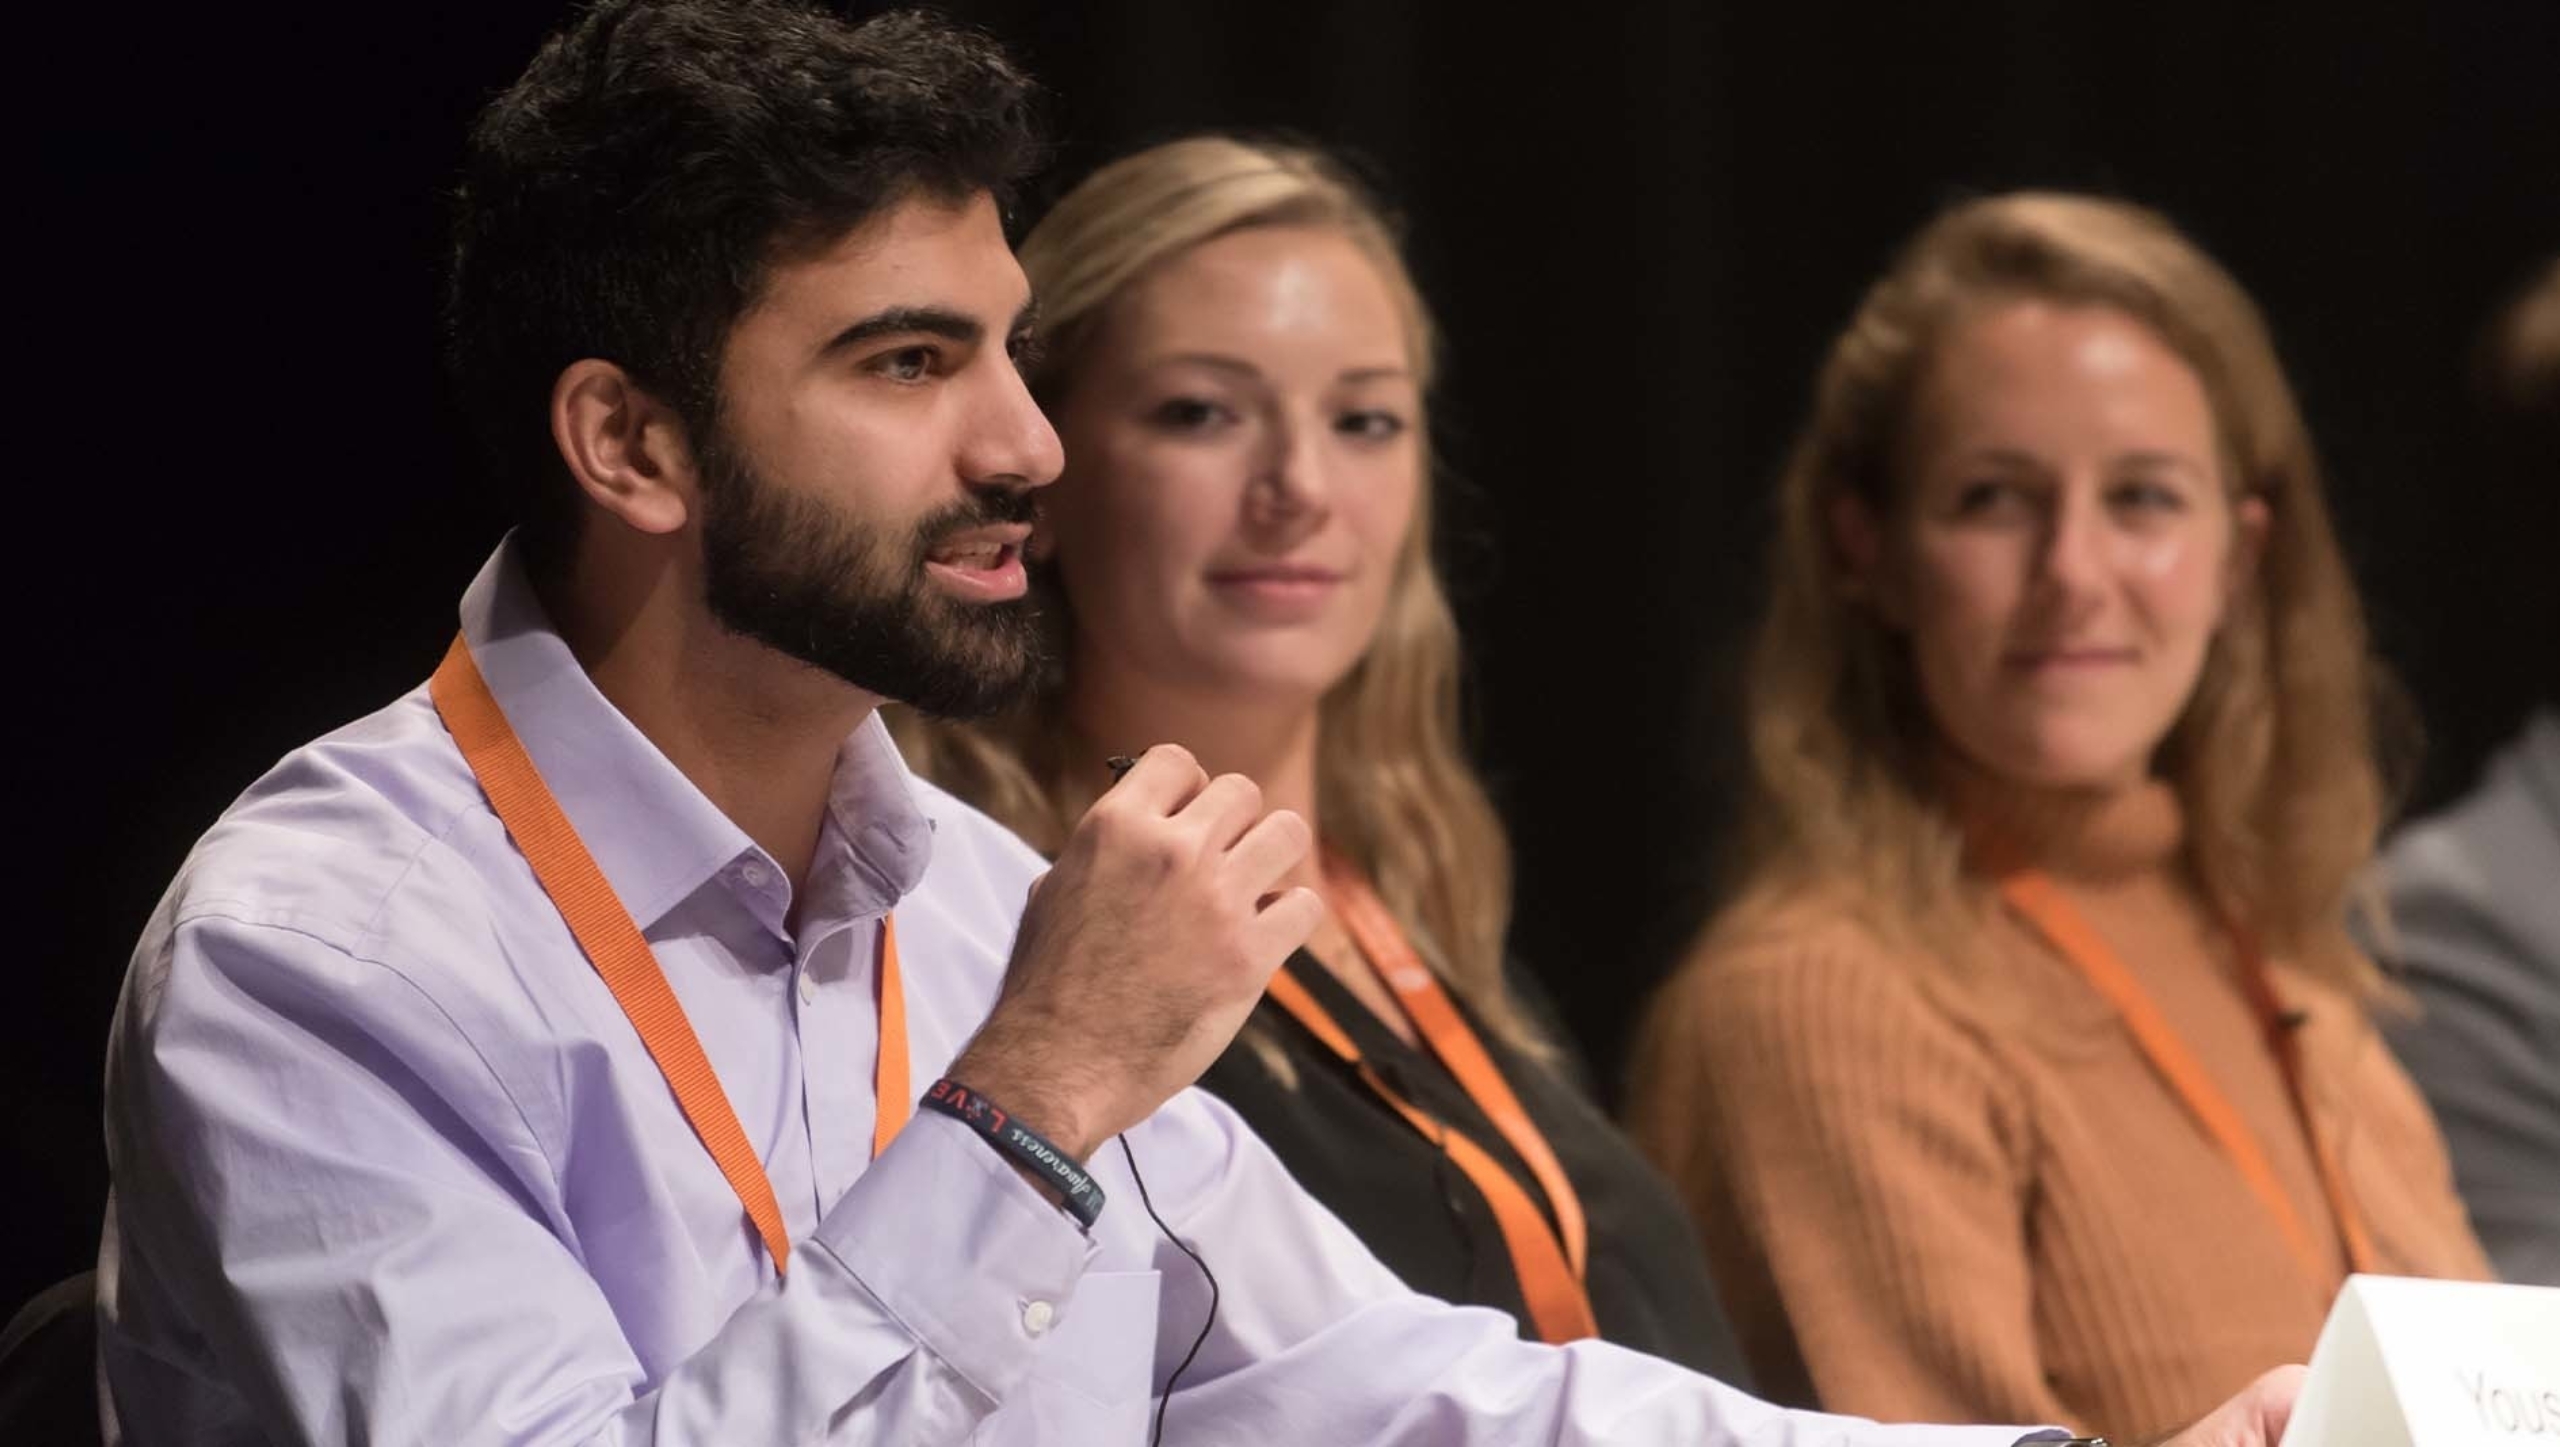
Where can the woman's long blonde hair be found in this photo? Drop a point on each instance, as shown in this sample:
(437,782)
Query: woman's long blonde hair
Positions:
(1395,793)
(2274,757)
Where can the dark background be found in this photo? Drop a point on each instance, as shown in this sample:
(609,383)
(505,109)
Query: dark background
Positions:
(1639,223)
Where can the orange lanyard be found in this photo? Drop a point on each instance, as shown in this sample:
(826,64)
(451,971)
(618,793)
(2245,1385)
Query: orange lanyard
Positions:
(1549,1269)
(2042,903)
(604,929)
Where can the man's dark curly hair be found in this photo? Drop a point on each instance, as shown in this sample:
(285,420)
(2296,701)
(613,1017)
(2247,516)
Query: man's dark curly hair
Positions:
(627,197)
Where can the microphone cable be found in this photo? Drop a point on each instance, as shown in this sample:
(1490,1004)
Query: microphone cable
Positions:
(1157,1440)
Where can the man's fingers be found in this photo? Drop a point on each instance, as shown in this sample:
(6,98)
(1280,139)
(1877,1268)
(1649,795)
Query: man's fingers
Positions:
(1275,845)
(1163,780)
(1224,810)
(1283,924)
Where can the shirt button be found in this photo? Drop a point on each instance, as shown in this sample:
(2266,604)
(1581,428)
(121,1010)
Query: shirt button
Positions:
(808,988)
(1037,1316)
(754,874)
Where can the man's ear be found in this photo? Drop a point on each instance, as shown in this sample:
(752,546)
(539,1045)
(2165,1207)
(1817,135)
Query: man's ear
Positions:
(625,449)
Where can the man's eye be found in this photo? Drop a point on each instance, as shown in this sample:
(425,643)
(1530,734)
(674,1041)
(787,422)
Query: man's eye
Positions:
(907,364)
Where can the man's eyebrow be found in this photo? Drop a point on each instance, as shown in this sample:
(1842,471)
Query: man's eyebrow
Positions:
(907,321)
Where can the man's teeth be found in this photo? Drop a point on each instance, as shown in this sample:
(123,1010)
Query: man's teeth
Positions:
(970,555)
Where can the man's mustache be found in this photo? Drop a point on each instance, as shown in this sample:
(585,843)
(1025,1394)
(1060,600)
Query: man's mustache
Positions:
(985,507)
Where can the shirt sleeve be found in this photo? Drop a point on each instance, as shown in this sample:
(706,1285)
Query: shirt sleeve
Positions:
(2485,1044)
(1855,1162)
(317,1173)
(1313,1341)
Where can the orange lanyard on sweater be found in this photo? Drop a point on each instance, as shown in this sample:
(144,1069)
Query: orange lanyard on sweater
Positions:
(604,929)
(2041,902)
(1549,1263)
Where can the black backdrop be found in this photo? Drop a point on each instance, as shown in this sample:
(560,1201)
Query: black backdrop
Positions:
(1639,224)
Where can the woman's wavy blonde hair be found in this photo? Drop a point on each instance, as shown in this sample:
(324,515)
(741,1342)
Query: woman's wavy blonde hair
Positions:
(2274,758)
(1395,793)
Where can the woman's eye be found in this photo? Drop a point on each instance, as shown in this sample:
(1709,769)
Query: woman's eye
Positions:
(1372,425)
(1988,499)
(1188,414)
(2146,496)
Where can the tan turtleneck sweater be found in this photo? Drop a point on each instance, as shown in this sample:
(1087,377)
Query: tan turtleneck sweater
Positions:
(1982,1204)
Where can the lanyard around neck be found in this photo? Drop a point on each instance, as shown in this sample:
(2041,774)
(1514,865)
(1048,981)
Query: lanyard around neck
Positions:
(621,954)
(1548,1262)
(2041,902)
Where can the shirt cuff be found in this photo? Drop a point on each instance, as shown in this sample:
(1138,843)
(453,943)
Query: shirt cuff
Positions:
(950,1240)
(1908,1434)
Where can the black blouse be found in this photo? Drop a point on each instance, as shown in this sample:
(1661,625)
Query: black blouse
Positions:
(1419,1214)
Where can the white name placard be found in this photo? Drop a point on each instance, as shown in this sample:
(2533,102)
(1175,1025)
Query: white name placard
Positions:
(2407,1363)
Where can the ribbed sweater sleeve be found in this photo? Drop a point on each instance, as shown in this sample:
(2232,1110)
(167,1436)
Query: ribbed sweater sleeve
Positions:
(1859,1163)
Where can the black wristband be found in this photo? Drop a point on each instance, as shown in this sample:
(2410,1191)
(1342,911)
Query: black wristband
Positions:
(1019,1142)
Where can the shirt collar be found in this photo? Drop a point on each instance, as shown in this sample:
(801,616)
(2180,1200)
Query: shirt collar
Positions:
(872,805)
(655,835)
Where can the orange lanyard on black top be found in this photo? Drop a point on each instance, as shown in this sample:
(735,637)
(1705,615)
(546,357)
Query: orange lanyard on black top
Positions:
(604,929)
(1549,1263)
(2038,900)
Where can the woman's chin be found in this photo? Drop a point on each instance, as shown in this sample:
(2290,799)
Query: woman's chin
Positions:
(2067,760)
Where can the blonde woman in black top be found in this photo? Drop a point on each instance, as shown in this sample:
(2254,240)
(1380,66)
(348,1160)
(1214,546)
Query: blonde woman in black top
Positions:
(1238,562)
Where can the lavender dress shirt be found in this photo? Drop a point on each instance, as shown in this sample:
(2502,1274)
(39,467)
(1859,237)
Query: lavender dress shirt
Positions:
(392,1166)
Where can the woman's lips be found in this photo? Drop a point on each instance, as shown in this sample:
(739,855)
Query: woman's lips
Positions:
(1281,592)
(2082,659)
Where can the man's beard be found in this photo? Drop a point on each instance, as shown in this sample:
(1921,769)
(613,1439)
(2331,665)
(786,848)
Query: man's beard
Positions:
(822,586)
